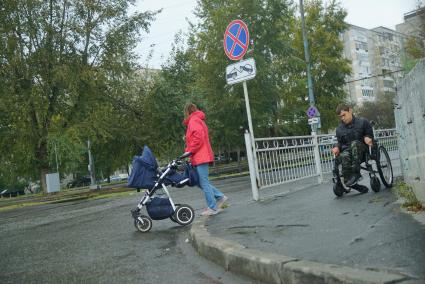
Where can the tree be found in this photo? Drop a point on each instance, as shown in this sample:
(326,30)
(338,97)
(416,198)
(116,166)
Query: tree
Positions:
(415,44)
(172,87)
(269,23)
(381,110)
(329,67)
(278,92)
(60,64)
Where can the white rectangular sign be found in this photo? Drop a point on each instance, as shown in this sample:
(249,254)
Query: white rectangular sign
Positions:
(313,120)
(240,71)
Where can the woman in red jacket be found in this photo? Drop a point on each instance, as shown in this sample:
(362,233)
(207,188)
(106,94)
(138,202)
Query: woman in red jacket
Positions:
(198,143)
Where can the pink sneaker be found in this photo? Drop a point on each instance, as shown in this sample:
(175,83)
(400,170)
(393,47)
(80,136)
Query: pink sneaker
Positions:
(220,203)
(210,212)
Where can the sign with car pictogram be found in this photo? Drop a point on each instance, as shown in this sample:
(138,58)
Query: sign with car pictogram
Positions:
(236,40)
(240,71)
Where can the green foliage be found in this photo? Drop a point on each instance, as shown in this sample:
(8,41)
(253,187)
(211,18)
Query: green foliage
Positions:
(278,94)
(329,68)
(69,75)
(62,66)
(415,47)
(381,110)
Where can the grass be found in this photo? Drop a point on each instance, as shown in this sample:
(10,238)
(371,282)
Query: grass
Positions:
(19,205)
(74,194)
(410,202)
(62,197)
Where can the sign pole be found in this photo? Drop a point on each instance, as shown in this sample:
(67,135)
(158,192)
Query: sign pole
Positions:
(251,133)
(315,124)
(248,111)
(236,43)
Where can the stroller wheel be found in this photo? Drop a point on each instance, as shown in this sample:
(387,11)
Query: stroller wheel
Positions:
(173,217)
(144,226)
(184,215)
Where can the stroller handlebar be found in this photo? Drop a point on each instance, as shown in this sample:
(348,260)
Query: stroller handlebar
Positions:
(177,162)
(185,155)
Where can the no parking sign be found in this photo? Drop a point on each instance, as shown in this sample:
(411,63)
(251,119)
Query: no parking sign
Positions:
(236,40)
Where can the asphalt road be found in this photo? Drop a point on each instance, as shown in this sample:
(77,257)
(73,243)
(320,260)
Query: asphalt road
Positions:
(94,241)
(366,231)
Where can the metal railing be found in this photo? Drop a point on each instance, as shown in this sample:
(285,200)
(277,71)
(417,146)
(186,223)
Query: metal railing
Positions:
(286,159)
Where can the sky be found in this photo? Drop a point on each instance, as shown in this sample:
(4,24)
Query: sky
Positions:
(155,47)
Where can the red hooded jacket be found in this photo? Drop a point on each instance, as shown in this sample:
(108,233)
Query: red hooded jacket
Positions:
(197,139)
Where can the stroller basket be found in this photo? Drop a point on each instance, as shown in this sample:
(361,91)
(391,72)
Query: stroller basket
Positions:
(159,208)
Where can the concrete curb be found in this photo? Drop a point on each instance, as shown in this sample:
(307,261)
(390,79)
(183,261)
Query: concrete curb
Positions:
(275,268)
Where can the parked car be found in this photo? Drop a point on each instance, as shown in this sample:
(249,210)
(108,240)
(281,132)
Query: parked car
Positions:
(120,177)
(11,192)
(79,182)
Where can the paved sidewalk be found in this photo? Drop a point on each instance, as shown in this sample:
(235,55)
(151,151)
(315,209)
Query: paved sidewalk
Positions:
(310,236)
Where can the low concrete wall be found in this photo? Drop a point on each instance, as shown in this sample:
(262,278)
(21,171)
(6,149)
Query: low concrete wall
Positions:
(410,123)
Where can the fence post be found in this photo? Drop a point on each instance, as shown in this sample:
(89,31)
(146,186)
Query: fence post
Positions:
(251,164)
(317,157)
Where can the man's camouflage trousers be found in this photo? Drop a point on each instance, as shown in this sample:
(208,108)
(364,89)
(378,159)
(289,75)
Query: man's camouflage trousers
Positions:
(351,158)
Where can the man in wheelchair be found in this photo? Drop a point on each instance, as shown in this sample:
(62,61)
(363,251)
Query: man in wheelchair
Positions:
(354,135)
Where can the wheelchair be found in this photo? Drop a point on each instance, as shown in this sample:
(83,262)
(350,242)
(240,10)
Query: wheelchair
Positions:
(376,161)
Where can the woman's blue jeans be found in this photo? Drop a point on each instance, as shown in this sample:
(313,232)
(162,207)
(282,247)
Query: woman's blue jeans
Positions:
(211,193)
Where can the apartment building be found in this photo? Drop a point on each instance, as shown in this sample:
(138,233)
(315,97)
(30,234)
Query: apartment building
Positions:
(413,23)
(375,56)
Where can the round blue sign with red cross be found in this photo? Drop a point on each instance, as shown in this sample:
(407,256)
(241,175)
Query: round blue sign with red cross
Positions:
(236,40)
(312,112)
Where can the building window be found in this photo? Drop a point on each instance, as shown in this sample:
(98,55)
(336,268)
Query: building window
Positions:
(361,46)
(367,93)
(388,84)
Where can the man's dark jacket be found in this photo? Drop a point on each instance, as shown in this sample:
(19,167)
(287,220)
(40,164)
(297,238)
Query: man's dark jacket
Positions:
(354,131)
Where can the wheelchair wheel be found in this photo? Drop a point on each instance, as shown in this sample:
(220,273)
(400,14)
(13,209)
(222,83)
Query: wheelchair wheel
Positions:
(338,189)
(184,214)
(375,184)
(385,168)
(144,227)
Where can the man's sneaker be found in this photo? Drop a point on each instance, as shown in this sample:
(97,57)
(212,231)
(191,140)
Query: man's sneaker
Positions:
(209,212)
(353,180)
(220,203)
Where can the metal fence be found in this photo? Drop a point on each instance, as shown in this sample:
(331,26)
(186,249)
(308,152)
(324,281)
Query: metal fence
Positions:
(285,159)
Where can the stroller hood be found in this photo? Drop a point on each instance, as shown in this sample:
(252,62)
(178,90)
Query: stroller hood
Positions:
(147,158)
(144,170)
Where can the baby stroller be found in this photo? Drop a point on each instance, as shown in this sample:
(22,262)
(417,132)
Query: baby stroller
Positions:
(146,174)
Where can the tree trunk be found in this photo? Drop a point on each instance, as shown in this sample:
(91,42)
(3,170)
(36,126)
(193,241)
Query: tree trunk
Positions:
(42,162)
(43,183)
(239,160)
